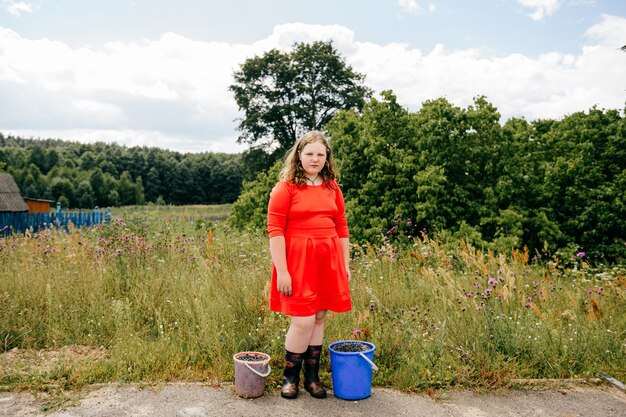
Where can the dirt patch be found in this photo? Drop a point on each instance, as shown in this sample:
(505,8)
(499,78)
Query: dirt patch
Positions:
(28,361)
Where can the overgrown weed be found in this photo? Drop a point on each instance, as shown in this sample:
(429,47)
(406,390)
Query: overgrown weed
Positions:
(167,296)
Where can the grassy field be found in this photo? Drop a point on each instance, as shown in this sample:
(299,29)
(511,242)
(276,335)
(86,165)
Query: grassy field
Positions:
(170,293)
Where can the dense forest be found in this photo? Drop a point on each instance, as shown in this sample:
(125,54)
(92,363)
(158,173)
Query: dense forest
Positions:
(88,175)
(552,185)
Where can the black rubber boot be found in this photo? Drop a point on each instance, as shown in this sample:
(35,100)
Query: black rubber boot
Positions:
(311,372)
(291,374)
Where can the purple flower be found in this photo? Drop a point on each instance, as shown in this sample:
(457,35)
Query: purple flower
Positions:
(589,291)
(535,283)
(488,292)
(409,223)
(581,254)
(393,229)
(469,294)
(527,305)
(492,281)
(357,332)
(479,308)
(529,299)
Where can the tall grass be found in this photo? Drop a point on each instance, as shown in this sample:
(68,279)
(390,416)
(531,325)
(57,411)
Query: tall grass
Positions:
(172,294)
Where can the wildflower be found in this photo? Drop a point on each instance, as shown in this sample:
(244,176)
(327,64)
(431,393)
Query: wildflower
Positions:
(527,305)
(600,291)
(527,271)
(469,294)
(393,229)
(464,309)
(372,306)
(589,291)
(357,332)
(535,283)
(529,299)
(493,282)
(487,292)
(479,308)
(581,254)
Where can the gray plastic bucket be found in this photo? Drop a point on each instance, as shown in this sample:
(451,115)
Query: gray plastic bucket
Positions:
(250,376)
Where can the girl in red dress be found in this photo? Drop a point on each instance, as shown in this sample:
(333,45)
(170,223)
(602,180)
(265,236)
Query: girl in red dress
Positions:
(309,244)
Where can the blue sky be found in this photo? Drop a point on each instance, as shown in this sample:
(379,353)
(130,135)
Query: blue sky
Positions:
(156,72)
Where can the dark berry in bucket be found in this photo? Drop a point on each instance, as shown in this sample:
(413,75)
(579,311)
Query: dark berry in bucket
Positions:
(251,358)
(351,347)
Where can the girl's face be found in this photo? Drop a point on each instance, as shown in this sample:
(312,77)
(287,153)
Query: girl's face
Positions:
(313,158)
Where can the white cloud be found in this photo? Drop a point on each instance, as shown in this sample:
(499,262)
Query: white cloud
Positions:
(609,32)
(283,36)
(16,8)
(129,137)
(411,6)
(173,91)
(541,8)
(99,113)
(549,86)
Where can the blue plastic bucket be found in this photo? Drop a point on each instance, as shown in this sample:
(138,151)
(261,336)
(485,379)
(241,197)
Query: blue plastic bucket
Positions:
(352,371)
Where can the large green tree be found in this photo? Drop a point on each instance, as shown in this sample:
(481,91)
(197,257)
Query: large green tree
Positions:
(285,94)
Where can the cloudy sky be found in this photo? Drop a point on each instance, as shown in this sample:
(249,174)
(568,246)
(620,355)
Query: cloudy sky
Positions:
(156,72)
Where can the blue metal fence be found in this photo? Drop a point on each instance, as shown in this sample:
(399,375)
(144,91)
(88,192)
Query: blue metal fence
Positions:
(11,222)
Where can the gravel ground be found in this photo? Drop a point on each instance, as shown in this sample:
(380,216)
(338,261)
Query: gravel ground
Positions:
(199,400)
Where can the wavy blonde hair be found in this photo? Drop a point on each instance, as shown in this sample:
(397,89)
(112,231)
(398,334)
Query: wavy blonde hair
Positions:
(293,170)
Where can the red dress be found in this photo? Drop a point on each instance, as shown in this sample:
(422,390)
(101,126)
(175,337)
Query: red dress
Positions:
(312,219)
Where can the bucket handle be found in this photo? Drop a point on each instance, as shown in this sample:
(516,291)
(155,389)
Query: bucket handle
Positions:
(269,370)
(374,367)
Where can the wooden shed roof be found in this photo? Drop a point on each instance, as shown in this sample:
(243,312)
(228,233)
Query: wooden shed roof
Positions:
(10,197)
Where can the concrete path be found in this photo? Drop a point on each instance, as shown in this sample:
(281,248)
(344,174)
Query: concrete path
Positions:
(198,400)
